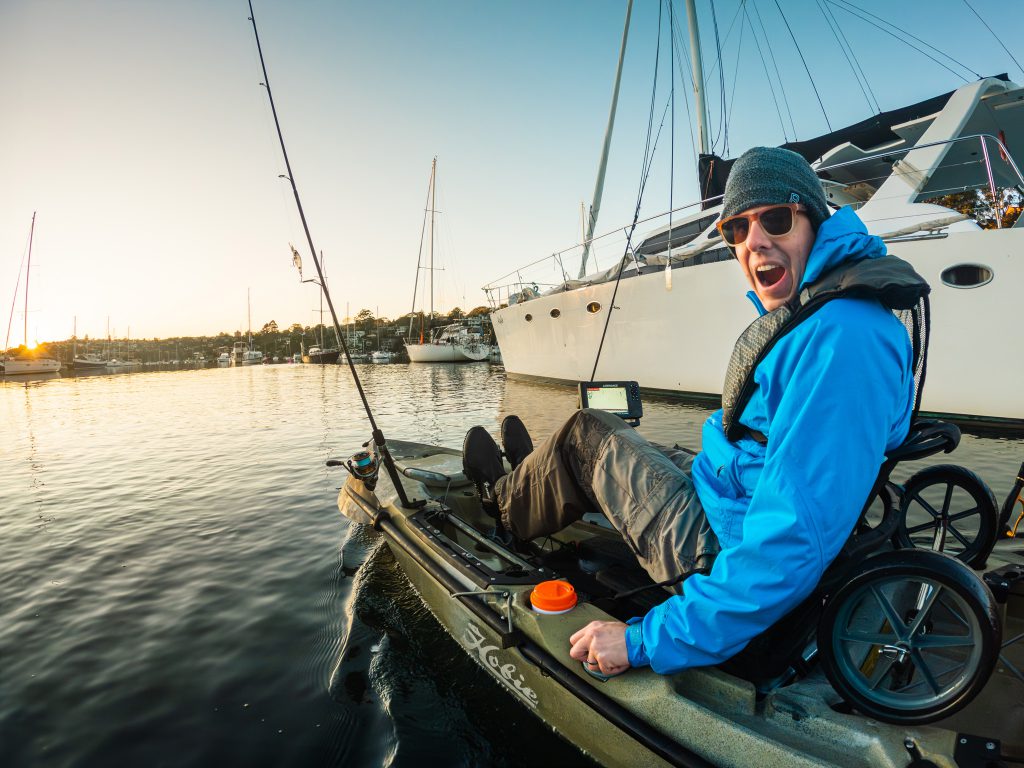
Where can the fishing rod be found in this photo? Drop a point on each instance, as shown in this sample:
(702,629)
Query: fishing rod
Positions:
(362,467)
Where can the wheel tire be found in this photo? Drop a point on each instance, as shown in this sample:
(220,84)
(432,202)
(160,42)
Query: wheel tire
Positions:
(958,624)
(946,495)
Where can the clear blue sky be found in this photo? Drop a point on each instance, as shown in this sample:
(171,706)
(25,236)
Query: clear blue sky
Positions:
(139,133)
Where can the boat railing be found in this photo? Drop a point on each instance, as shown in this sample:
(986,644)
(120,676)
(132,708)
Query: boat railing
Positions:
(964,173)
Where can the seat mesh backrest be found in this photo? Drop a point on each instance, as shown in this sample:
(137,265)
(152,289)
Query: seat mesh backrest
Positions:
(917,322)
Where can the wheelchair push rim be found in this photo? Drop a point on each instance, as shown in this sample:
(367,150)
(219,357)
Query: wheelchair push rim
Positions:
(910,645)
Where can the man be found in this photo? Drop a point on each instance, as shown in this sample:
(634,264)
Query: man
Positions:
(819,387)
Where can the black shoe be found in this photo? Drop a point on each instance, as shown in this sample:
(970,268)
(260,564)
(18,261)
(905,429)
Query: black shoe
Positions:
(516,440)
(481,463)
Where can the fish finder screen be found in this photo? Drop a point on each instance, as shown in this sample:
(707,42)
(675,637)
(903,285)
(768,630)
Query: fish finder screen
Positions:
(608,399)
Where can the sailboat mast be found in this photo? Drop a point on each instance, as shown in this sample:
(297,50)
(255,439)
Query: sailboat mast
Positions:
(433,199)
(595,206)
(28,270)
(419,254)
(698,79)
(248,313)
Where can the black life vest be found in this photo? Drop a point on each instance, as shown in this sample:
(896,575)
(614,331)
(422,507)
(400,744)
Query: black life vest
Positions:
(888,279)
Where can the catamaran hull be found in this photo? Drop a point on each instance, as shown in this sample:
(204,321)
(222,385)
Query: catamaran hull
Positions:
(21,367)
(679,341)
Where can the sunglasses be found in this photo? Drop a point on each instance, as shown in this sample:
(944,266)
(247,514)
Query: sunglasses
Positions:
(776,221)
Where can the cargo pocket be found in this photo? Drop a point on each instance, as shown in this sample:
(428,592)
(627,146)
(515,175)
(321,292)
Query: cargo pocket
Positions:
(632,483)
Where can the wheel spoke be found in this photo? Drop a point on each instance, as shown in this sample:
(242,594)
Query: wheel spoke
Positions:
(947,500)
(880,671)
(923,527)
(923,610)
(956,614)
(928,507)
(890,613)
(871,638)
(944,641)
(923,668)
(958,536)
(955,668)
(962,515)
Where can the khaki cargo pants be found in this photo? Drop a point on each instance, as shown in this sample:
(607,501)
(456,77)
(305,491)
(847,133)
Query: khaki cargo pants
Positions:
(597,463)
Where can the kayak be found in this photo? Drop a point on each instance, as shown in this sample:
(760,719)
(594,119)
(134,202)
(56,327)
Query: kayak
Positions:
(479,588)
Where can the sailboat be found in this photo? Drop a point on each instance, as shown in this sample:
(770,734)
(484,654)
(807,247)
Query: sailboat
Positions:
(894,168)
(321,354)
(453,343)
(27,364)
(243,352)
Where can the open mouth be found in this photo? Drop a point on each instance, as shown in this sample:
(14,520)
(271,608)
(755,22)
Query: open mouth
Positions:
(769,274)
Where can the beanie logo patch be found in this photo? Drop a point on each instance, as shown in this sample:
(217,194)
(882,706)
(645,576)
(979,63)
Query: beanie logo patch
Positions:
(794,197)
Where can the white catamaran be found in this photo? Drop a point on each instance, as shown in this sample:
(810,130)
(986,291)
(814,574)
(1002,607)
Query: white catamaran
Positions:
(27,364)
(896,168)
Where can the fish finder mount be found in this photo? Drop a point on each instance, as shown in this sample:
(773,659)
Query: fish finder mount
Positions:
(619,397)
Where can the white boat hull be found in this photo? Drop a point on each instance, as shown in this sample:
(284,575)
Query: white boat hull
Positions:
(447,353)
(40,365)
(680,340)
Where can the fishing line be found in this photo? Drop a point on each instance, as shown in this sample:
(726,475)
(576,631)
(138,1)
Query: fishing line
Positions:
(378,436)
(648,162)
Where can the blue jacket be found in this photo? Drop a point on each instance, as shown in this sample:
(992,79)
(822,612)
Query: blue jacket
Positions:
(833,396)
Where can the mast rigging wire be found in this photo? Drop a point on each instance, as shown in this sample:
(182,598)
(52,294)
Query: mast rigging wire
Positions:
(722,124)
(846,55)
(829,15)
(735,82)
(767,76)
(855,11)
(775,65)
(806,68)
(982,20)
(378,435)
(687,77)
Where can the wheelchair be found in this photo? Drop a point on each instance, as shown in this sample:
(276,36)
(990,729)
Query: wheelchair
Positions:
(903,628)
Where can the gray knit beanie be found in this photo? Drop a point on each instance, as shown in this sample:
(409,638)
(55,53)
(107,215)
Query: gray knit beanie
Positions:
(771,175)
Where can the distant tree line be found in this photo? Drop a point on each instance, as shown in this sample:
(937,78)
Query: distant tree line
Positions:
(366,332)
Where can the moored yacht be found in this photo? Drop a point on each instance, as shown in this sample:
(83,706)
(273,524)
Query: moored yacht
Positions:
(676,287)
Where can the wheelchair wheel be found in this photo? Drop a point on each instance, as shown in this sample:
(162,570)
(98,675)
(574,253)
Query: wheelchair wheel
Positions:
(911,638)
(949,509)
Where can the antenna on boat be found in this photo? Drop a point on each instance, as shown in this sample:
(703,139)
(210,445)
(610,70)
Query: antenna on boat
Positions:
(378,436)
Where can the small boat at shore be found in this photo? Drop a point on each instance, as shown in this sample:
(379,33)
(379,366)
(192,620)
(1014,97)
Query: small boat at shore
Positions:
(320,356)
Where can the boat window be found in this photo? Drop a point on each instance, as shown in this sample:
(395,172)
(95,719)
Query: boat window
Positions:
(967,276)
(556,312)
(529,317)
(593,307)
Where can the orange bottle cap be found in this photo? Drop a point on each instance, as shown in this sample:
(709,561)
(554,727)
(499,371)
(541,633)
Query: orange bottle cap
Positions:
(553,597)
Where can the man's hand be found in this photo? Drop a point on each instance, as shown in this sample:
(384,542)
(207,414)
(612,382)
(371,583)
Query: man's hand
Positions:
(601,645)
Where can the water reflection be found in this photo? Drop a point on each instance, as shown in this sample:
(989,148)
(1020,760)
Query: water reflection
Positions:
(174,562)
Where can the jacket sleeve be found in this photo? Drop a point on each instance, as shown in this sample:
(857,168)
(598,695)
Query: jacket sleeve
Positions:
(835,392)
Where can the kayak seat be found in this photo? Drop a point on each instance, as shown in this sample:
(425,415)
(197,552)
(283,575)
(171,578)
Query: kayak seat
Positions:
(869,593)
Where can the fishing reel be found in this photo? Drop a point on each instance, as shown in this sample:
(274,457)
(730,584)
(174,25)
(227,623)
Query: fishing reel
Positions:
(363,465)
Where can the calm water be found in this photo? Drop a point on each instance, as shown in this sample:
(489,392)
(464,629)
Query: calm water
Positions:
(178,588)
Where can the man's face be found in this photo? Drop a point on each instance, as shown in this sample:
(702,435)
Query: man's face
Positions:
(774,265)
